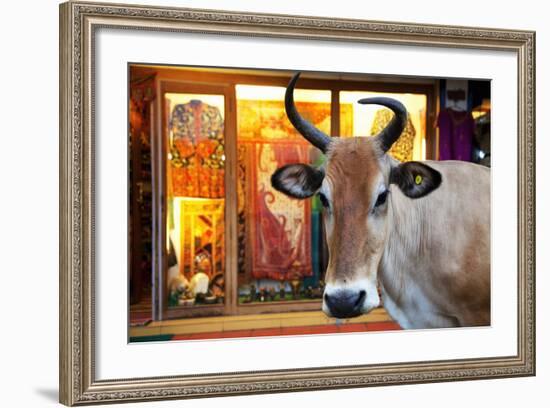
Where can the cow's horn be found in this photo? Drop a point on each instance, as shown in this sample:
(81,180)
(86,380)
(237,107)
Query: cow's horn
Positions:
(306,129)
(390,133)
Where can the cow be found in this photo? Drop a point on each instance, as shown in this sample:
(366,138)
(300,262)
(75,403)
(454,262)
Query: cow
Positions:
(413,236)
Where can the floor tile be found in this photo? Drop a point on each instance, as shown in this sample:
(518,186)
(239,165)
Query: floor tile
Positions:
(353,327)
(266,332)
(381,326)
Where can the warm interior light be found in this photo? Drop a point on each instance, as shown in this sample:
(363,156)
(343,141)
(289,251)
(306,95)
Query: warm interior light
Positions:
(203,217)
(364,115)
(277,93)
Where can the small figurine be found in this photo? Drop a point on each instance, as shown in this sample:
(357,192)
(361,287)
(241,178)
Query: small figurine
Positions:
(199,283)
(295,285)
(176,281)
(317,293)
(217,285)
(322,286)
(262,294)
(252,295)
(309,292)
(178,285)
(282,293)
(295,280)
(203,261)
(271,294)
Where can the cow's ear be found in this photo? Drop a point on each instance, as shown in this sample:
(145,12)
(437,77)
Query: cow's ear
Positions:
(415,179)
(297,180)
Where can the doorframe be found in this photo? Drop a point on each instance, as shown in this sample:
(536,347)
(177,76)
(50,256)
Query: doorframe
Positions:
(159,154)
(169,79)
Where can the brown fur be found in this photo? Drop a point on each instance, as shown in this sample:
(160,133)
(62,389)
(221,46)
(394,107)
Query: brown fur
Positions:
(351,170)
(432,254)
(441,245)
(427,245)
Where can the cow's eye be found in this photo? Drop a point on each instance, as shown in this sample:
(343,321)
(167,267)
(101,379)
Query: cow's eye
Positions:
(381,198)
(324,200)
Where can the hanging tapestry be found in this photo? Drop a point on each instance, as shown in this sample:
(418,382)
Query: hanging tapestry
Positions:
(197,150)
(266,121)
(402,149)
(277,229)
(281,225)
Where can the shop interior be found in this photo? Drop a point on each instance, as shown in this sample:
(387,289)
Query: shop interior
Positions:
(210,240)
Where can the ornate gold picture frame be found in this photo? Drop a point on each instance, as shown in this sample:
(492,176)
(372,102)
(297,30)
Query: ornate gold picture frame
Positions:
(79,23)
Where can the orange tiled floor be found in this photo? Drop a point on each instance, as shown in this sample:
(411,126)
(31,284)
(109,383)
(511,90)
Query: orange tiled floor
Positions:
(275,324)
(278,331)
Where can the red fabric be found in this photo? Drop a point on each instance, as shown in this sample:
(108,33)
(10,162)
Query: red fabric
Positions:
(281,241)
(277,229)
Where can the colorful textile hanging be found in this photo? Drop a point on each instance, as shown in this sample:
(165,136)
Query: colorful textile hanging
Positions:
(276,228)
(275,231)
(402,149)
(456,134)
(280,226)
(197,150)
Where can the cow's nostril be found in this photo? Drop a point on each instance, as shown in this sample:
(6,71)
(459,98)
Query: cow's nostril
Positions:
(328,300)
(360,299)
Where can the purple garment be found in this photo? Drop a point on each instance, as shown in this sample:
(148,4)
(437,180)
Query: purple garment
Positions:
(456,134)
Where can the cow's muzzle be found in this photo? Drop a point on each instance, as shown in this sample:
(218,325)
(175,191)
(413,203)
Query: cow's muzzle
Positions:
(343,303)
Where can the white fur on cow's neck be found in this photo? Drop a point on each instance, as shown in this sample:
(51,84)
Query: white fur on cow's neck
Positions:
(423,252)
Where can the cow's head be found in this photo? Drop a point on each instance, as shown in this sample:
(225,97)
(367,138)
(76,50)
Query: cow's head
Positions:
(353,187)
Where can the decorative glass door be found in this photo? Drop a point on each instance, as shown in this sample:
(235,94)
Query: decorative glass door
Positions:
(281,247)
(195,233)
